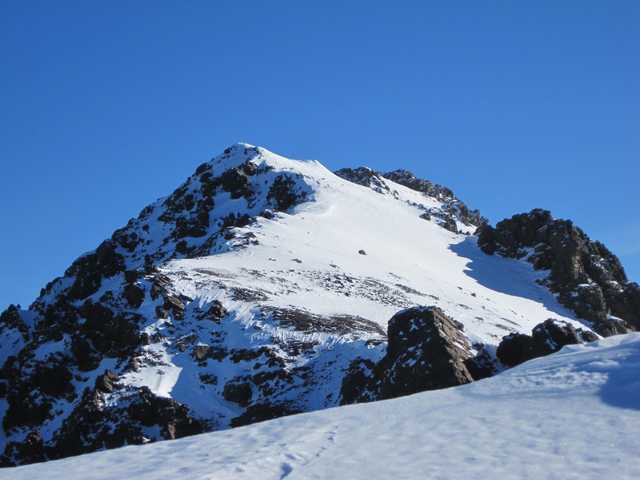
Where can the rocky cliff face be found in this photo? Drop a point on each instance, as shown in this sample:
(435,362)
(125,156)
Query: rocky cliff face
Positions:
(263,287)
(584,274)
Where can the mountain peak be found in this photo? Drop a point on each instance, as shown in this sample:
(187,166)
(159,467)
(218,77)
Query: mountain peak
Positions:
(259,288)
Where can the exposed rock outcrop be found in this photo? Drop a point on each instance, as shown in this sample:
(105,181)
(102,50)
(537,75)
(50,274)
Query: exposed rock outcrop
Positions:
(547,337)
(426,350)
(585,275)
(284,193)
(366,177)
(452,208)
(95,425)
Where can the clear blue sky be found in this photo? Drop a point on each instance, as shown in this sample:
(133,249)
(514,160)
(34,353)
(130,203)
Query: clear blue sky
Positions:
(106,106)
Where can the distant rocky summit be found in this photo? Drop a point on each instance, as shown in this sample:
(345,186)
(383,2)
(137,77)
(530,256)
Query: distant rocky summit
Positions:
(264,286)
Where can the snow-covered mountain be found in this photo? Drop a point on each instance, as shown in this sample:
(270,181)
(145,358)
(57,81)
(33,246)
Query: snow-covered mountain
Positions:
(571,415)
(265,286)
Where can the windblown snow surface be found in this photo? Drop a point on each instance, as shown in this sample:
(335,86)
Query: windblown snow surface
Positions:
(572,415)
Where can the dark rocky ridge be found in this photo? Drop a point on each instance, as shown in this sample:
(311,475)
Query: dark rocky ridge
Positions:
(452,209)
(585,275)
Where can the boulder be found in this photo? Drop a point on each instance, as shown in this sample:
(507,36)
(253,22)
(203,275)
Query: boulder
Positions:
(202,353)
(112,335)
(87,358)
(547,337)
(24,408)
(551,335)
(173,418)
(426,350)
(215,312)
(515,348)
(625,304)
(131,276)
(360,382)
(450,224)
(235,182)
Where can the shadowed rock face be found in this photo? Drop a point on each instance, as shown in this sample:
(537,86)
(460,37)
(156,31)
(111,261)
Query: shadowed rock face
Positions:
(547,337)
(426,350)
(587,277)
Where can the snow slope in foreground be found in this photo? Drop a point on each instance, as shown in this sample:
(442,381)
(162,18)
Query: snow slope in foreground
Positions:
(574,414)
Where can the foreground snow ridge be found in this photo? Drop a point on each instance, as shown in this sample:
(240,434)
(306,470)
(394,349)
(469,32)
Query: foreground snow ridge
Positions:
(573,414)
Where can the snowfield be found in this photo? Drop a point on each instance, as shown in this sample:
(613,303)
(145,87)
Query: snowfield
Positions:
(408,261)
(572,415)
